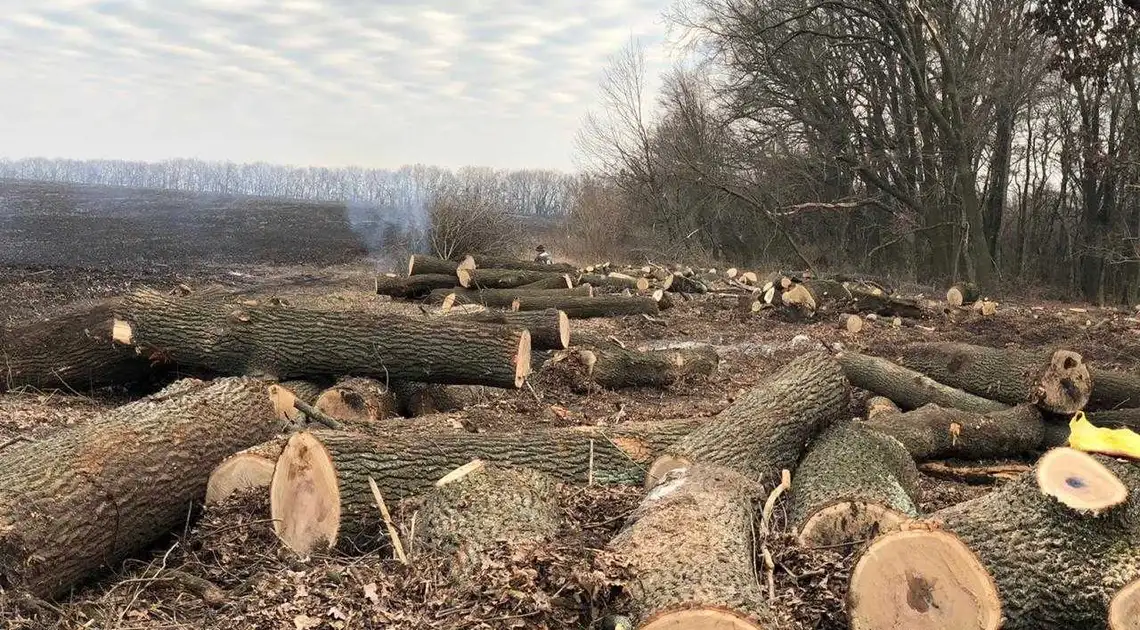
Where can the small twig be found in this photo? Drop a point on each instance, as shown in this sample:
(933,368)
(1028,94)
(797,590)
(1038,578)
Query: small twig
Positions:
(392,533)
(317,415)
(770,504)
(590,474)
(15,440)
(770,568)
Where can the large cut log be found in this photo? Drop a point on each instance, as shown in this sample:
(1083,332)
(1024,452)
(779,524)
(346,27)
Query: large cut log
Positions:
(1056,381)
(852,485)
(413,287)
(768,427)
(1020,557)
(1117,419)
(618,282)
(689,547)
(489,262)
(83,499)
(247,468)
(962,294)
(297,343)
(502,278)
(907,388)
(549,328)
(609,366)
(73,352)
(817,295)
(682,284)
(320,488)
(580,307)
(358,400)
(500,298)
(419,264)
(869,299)
(564,281)
(479,507)
(933,432)
(1113,390)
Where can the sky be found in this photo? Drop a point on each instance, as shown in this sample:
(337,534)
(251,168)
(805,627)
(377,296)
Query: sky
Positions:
(372,83)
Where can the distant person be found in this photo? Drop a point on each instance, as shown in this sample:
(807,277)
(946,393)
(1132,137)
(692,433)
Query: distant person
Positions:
(543,256)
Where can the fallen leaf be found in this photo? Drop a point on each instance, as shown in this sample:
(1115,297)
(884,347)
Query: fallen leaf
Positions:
(370,593)
(336,613)
(304,622)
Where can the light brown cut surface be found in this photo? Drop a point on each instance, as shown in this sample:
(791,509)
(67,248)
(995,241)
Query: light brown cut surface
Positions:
(846,521)
(1078,481)
(921,580)
(661,467)
(1124,612)
(304,496)
(522,359)
(241,471)
(1066,384)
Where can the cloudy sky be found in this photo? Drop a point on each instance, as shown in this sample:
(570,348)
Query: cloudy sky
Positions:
(322,82)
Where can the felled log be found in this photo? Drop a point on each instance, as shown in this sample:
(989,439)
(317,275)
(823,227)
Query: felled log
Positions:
(581,307)
(934,432)
(499,298)
(358,399)
(419,264)
(851,323)
(962,294)
(1128,417)
(549,328)
(1055,381)
(683,284)
(907,388)
(768,427)
(320,493)
(815,295)
(478,507)
(421,399)
(488,262)
(502,278)
(1018,557)
(1112,389)
(689,547)
(413,287)
(852,485)
(609,366)
(247,468)
(290,343)
(73,352)
(874,300)
(617,282)
(84,498)
(563,281)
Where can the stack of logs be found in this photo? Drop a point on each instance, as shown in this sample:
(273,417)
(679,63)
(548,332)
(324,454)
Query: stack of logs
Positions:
(307,406)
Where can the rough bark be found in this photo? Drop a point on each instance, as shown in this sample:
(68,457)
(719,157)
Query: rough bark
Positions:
(1116,419)
(1112,389)
(85,498)
(549,328)
(290,343)
(564,281)
(852,485)
(487,262)
(907,388)
(581,307)
(1056,381)
(413,287)
(486,508)
(934,432)
(768,427)
(73,352)
(501,298)
(329,470)
(609,366)
(962,294)
(817,295)
(358,399)
(682,284)
(619,282)
(689,548)
(503,278)
(419,264)
(421,399)
(1048,567)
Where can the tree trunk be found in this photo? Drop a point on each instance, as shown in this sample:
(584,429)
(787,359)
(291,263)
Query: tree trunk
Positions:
(933,432)
(564,281)
(1014,558)
(503,278)
(297,343)
(422,399)
(615,282)
(358,400)
(486,262)
(689,548)
(1113,390)
(609,366)
(962,294)
(500,298)
(72,352)
(549,328)
(419,264)
(85,498)
(907,388)
(581,307)
(476,509)
(768,427)
(1054,381)
(414,287)
(320,486)
(852,485)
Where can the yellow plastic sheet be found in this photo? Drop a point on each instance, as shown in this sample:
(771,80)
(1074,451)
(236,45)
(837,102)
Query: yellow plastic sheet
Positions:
(1085,436)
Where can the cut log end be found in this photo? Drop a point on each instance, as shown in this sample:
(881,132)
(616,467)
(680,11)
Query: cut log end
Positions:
(1066,384)
(121,332)
(851,323)
(522,359)
(879,405)
(238,472)
(1079,481)
(662,466)
(699,619)
(642,285)
(461,472)
(411,264)
(1124,611)
(564,329)
(283,403)
(800,296)
(841,523)
(304,496)
(465,276)
(922,580)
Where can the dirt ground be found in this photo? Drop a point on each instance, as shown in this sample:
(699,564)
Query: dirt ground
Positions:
(554,586)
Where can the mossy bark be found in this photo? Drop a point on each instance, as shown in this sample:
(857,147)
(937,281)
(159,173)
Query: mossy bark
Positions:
(933,432)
